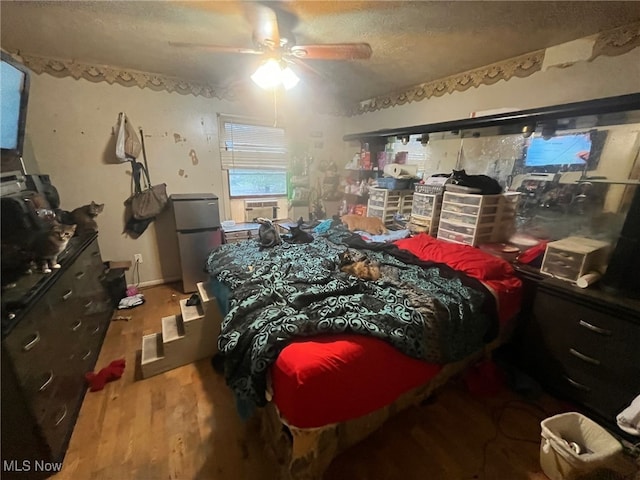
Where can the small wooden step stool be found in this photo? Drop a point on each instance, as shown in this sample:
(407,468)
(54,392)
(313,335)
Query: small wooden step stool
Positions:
(186,337)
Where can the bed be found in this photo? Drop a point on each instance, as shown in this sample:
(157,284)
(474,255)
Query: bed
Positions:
(319,350)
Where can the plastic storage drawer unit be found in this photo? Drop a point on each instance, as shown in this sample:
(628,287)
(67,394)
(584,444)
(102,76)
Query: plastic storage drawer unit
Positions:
(573,257)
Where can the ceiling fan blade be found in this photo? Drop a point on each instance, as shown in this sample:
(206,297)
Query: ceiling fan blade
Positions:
(265,24)
(216,48)
(336,51)
(303,66)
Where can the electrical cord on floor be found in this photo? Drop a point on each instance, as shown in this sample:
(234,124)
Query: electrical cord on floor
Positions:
(526,407)
(496,416)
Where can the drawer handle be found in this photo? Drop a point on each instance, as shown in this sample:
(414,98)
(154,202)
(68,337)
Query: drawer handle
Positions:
(582,356)
(593,328)
(79,275)
(32,343)
(577,385)
(62,415)
(66,295)
(86,355)
(76,325)
(88,304)
(47,382)
(95,254)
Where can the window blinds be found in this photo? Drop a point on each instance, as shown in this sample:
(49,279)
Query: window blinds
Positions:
(250,144)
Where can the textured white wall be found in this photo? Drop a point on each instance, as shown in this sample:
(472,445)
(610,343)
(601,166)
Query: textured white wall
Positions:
(71,132)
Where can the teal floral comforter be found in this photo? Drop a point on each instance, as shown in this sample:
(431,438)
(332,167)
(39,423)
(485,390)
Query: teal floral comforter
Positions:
(292,291)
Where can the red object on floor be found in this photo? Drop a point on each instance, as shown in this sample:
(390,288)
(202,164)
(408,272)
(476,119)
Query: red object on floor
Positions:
(113,371)
(484,379)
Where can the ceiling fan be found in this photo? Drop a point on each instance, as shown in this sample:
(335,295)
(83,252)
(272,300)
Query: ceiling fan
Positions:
(280,50)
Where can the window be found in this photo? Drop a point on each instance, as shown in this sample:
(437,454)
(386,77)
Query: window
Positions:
(254,155)
(251,183)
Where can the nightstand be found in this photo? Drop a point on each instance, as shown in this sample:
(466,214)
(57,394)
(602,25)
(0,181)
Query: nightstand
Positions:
(581,344)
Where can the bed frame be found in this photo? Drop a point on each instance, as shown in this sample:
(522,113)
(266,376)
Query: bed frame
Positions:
(305,453)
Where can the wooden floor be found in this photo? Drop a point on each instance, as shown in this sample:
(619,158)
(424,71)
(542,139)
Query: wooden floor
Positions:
(183,425)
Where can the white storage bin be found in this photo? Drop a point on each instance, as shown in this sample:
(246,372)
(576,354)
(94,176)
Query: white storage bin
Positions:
(572,257)
(385,204)
(573,445)
(475,219)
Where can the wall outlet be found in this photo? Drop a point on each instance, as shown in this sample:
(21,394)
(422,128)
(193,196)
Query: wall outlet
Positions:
(137,258)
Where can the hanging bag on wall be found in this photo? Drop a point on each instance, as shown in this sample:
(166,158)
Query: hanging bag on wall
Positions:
(128,144)
(153,199)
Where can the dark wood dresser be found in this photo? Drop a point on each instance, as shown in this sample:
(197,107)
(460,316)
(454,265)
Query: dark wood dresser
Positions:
(52,329)
(581,344)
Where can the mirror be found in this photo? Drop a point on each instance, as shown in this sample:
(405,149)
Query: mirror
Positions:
(575,175)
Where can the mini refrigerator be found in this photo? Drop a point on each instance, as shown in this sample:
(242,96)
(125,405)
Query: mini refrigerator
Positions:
(198,229)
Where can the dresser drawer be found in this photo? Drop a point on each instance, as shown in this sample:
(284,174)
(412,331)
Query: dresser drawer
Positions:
(61,413)
(30,346)
(87,271)
(585,354)
(424,205)
(51,349)
(589,330)
(58,385)
(604,396)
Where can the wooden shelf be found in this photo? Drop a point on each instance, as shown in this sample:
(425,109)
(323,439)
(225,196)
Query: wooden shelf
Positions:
(612,182)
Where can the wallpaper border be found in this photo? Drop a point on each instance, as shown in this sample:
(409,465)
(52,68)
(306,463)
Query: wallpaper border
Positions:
(126,77)
(610,43)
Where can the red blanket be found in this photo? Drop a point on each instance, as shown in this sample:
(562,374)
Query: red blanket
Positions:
(497,274)
(335,378)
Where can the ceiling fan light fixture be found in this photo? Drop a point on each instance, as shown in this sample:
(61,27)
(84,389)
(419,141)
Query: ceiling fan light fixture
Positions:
(271,74)
(289,78)
(268,75)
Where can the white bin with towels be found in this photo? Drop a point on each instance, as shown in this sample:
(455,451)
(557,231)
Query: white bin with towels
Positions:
(574,445)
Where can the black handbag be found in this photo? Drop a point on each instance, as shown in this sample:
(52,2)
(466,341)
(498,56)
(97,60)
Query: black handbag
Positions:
(143,205)
(149,202)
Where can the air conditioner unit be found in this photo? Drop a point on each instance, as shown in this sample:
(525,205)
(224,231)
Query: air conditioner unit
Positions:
(260,209)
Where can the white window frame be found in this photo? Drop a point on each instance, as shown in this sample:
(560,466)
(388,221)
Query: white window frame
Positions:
(248,143)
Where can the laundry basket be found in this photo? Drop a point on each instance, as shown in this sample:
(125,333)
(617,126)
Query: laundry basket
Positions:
(573,445)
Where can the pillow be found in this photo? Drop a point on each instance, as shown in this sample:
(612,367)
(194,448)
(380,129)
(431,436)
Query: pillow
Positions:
(470,260)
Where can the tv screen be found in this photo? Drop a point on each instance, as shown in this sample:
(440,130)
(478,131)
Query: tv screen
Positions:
(14,88)
(570,149)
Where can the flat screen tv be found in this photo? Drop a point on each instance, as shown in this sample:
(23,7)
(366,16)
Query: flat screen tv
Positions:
(568,152)
(14,95)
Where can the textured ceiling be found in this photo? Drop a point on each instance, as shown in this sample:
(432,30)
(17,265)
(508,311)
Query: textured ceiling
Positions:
(412,42)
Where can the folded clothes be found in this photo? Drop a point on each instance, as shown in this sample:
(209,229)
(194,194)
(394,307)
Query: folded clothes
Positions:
(390,236)
(132,301)
(629,419)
